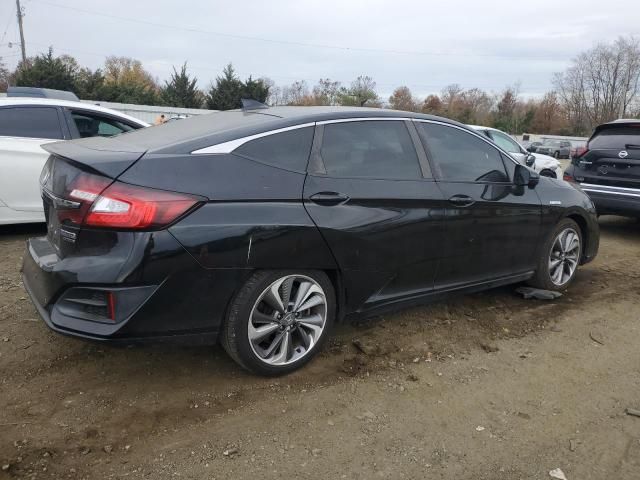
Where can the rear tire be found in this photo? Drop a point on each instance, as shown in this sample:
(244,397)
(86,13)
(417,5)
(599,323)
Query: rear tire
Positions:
(559,257)
(279,320)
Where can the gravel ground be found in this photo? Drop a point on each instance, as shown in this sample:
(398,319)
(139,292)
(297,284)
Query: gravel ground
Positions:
(486,386)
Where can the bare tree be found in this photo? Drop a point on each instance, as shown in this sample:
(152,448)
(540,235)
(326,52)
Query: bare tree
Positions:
(326,92)
(402,99)
(549,115)
(362,92)
(296,94)
(602,84)
(432,104)
(450,97)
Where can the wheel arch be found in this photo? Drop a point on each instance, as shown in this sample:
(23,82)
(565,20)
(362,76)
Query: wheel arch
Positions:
(337,281)
(584,231)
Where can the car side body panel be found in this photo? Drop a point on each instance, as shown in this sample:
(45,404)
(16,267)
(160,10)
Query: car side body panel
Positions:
(383,244)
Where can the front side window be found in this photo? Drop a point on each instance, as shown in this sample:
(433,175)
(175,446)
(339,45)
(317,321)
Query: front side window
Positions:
(459,156)
(289,150)
(30,122)
(91,125)
(369,149)
(505,142)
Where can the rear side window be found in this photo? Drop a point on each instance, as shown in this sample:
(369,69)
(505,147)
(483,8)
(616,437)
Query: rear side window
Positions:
(289,150)
(90,125)
(617,137)
(459,156)
(30,122)
(369,149)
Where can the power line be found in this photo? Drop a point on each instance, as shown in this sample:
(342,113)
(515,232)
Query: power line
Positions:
(6,29)
(299,44)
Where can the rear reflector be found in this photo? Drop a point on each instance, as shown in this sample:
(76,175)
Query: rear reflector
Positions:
(568,178)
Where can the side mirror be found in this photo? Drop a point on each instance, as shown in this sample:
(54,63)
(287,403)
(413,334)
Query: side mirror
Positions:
(524,177)
(530,160)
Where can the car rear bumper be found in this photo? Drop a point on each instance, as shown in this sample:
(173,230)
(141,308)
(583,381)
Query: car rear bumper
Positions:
(160,303)
(614,200)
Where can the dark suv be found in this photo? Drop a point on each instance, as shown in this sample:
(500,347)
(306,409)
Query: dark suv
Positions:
(608,169)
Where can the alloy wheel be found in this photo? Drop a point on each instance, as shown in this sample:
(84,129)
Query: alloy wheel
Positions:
(564,256)
(287,320)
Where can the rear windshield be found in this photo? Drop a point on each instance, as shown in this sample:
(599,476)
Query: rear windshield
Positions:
(616,137)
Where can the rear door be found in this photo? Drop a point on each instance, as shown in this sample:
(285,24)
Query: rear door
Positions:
(22,130)
(612,157)
(492,226)
(372,195)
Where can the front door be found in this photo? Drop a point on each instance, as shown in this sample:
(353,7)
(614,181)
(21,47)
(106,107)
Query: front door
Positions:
(381,217)
(492,226)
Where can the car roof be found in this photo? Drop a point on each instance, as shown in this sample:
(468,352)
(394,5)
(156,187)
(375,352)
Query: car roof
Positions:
(202,131)
(54,102)
(626,120)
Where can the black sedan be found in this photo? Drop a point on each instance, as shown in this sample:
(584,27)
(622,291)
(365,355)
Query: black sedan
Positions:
(262,228)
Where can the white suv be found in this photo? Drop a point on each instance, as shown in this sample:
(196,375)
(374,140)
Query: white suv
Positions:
(543,164)
(25,124)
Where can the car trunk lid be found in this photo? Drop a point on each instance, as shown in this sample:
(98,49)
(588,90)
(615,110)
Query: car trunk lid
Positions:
(69,164)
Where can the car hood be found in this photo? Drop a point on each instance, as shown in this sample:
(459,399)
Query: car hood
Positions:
(545,161)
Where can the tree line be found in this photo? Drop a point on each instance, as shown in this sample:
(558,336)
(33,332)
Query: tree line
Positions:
(601,84)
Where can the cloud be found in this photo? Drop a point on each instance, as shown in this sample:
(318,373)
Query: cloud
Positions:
(424,45)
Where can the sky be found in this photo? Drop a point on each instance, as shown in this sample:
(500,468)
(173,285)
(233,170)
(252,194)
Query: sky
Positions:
(422,44)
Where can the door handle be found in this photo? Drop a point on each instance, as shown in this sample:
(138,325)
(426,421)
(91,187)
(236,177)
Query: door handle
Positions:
(585,162)
(329,198)
(462,200)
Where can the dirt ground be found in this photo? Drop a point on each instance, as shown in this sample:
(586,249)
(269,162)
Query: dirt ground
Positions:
(487,386)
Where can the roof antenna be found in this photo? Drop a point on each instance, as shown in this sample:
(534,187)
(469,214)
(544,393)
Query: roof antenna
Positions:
(251,104)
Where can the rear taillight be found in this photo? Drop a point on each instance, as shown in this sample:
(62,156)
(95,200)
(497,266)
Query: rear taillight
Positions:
(127,206)
(568,178)
(81,193)
(580,151)
(120,205)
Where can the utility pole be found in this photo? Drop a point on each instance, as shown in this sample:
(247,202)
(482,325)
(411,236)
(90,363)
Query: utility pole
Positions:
(20,15)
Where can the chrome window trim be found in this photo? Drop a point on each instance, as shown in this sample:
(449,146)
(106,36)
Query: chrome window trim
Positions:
(594,185)
(231,145)
(481,137)
(611,192)
(363,119)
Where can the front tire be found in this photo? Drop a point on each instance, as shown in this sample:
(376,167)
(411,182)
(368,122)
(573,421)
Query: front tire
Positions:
(548,173)
(559,257)
(279,320)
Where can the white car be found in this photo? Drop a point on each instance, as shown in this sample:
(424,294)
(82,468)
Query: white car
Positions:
(543,164)
(25,124)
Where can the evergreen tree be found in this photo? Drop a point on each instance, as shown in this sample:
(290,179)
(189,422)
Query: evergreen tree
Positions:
(46,71)
(255,89)
(227,92)
(181,90)
(4,77)
(89,84)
